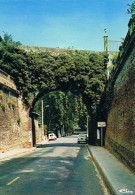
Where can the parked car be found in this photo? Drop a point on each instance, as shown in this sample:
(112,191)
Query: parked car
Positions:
(52,136)
(82,138)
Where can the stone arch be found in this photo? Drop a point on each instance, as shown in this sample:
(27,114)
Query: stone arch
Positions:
(86,78)
(36,73)
(39,97)
(41,93)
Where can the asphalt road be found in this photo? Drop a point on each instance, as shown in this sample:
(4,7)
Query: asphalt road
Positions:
(61,167)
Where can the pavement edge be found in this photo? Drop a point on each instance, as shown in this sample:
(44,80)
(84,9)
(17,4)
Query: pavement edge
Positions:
(103,175)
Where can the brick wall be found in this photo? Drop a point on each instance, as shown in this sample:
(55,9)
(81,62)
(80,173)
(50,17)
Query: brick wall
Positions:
(120,133)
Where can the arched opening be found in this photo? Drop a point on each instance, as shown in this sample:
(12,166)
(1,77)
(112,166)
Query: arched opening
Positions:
(63,113)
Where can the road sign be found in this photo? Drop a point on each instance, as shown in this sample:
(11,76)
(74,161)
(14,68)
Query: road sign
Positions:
(101,124)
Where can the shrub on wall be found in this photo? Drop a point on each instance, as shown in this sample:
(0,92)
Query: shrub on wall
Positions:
(1,95)
(3,106)
(12,103)
(19,120)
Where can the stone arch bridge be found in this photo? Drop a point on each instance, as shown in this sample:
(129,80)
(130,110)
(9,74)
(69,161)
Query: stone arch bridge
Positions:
(117,108)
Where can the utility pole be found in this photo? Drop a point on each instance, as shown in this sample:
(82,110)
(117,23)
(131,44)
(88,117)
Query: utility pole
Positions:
(87,125)
(42,130)
(42,115)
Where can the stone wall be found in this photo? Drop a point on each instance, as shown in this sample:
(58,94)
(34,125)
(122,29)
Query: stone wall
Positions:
(25,124)
(40,137)
(120,133)
(53,51)
(15,123)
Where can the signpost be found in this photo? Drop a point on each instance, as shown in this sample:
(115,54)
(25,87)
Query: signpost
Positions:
(101,124)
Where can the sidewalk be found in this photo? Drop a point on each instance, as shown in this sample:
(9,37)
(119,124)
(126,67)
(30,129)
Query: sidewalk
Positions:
(20,151)
(119,179)
(16,152)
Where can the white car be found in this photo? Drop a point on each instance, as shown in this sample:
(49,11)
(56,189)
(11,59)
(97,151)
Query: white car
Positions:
(52,136)
(82,138)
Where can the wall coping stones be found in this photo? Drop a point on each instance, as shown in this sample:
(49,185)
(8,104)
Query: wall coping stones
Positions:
(125,49)
(7,81)
(53,51)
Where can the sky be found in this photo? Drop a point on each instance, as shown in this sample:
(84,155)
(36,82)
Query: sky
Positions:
(77,24)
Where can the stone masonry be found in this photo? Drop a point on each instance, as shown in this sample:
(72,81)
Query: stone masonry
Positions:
(15,123)
(120,133)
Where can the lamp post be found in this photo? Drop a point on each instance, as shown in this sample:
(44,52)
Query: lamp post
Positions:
(42,106)
(87,125)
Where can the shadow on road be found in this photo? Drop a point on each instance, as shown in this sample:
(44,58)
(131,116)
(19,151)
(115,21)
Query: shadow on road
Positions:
(59,145)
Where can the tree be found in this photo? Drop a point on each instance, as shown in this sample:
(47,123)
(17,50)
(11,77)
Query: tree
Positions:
(8,39)
(131,9)
(60,117)
(79,72)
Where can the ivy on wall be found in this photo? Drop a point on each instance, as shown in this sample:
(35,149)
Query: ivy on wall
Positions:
(38,73)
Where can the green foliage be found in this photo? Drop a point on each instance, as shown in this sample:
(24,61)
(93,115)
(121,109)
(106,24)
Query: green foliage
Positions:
(45,129)
(8,39)
(60,116)
(3,106)
(19,120)
(106,101)
(71,84)
(114,60)
(12,103)
(131,9)
(1,95)
(38,73)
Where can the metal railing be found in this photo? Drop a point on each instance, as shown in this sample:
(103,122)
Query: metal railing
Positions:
(113,46)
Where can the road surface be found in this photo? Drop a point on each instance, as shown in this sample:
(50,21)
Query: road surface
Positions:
(61,167)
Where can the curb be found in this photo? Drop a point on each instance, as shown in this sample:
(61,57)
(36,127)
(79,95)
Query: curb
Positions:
(116,176)
(40,144)
(17,152)
(104,177)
